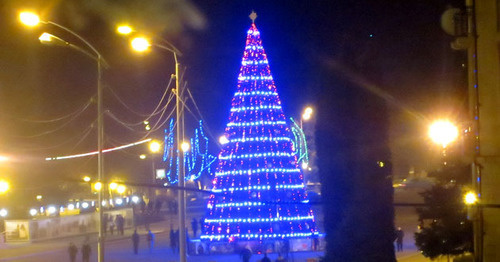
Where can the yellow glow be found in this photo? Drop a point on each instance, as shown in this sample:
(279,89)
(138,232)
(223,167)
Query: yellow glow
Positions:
(29,18)
(113,186)
(124,29)
(443,132)
(223,140)
(39,197)
(45,37)
(143,156)
(33,212)
(121,189)
(306,116)
(470,198)
(305,165)
(140,44)
(98,186)
(308,110)
(4,186)
(3,158)
(154,146)
(185,146)
(86,178)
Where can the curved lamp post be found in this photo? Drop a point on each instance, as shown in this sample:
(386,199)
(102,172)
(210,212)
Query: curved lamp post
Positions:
(142,44)
(31,19)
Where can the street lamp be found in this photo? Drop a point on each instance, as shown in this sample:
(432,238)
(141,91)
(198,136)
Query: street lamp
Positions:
(470,198)
(31,19)
(306,116)
(443,132)
(142,44)
(4,186)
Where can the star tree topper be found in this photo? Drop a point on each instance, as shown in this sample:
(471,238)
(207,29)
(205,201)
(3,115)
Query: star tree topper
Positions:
(253,16)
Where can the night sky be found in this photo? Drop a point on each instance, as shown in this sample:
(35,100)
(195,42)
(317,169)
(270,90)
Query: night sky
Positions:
(396,46)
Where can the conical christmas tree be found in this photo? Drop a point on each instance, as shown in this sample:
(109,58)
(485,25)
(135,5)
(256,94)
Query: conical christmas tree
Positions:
(259,191)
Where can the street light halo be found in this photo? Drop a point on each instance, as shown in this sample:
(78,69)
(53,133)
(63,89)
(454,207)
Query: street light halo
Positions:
(140,44)
(124,29)
(4,187)
(29,18)
(185,146)
(470,198)
(443,132)
(154,146)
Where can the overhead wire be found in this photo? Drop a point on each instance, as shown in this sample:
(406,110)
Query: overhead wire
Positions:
(78,111)
(58,128)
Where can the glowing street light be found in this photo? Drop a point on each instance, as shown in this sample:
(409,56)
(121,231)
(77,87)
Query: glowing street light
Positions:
(140,44)
(4,186)
(154,146)
(30,19)
(185,146)
(121,189)
(3,212)
(98,186)
(113,185)
(124,30)
(86,178)
(223,140)
(470,198)
(142,156)
(33,212)
(443,132)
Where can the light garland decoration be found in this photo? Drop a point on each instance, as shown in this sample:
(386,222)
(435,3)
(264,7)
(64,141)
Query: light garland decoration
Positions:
(257,155)
(261,107)
(257,220)
(96,152)
(299,143)
(197,160)
(259,191)
(256,171)
(257,123)
(266,187)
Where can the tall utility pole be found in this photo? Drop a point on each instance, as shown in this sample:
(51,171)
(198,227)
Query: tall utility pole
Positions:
(474,109)
(180,168)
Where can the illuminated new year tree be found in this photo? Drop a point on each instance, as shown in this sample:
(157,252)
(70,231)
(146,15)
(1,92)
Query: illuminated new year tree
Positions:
(259,192)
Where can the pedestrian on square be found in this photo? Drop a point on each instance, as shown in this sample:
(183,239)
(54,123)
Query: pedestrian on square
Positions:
(399,239)
(72,250)
(246,254)
(172,240)
(265,258)
(135,242)
(151,240)
(111,226)
(194,226)
(86,249)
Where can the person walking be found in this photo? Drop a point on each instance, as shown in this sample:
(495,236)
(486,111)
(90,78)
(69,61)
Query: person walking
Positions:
(135,242)
(194,226)
(151,241)
(399,239)
(72,250)
(172,240)
(86,249)
(265,258)
(246,254)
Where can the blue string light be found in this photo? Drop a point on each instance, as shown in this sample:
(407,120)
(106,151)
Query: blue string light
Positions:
(197,160)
